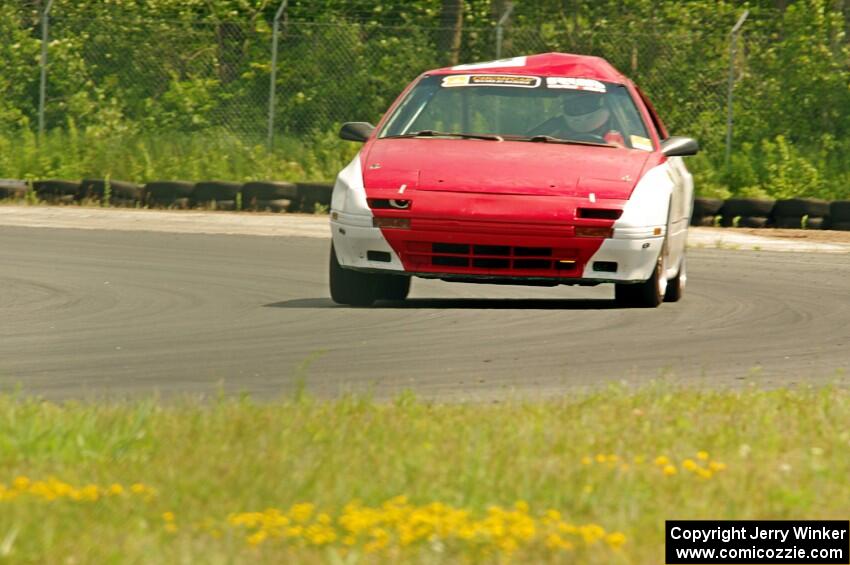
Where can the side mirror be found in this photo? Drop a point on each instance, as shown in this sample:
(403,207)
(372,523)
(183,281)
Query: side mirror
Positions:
(356,131)
(679,146)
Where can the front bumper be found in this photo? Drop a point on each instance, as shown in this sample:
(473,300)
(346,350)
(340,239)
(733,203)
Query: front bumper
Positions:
(497,251)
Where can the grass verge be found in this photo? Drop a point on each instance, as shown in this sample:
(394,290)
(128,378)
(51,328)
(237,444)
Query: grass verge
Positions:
(588,478)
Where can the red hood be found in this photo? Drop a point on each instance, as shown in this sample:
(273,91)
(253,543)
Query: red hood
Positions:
(502,167)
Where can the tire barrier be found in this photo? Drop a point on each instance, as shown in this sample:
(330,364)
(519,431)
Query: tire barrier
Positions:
(56,191)
(705,210)
(791,213)
(797,213)
(215,194)
(269,196)
(839,210)
(746,212)
(168,194)
(312,197)
(121,193)
(12,188)
(839,215)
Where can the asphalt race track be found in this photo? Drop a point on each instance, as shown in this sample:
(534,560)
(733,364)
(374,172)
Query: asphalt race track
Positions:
(91,313)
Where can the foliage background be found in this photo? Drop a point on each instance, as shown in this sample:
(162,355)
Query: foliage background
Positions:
(179,88)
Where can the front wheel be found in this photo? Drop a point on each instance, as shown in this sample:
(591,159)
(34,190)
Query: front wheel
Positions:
(648,294)
(394,287)
(676,286)
(352,287)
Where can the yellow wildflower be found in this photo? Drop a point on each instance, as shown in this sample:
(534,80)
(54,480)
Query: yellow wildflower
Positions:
(615,539)
(591,533)
(301,512)
(552,516)
(702,455)
(257,537)
(669,470)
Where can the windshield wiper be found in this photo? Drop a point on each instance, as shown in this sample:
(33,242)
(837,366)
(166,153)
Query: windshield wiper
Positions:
(550,139)
(432,133)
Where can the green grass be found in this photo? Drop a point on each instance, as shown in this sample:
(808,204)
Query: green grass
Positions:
(207,155)
(784,452)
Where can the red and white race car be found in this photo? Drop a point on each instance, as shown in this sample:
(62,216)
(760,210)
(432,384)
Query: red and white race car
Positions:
(540,170)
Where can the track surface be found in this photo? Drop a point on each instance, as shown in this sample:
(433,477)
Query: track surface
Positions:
(88,313)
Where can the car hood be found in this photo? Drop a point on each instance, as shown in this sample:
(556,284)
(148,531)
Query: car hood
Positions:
(502,167)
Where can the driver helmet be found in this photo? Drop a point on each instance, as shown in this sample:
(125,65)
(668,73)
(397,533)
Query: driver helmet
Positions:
(585,111)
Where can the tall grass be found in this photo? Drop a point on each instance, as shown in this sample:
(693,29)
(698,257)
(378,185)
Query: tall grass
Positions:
(212,154)
(626,460)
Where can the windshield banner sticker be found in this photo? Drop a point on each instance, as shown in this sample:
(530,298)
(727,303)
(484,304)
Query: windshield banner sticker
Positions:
(575,84)
(501,63)
(491,80)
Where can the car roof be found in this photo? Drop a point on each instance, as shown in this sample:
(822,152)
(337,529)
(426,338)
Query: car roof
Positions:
(545,64)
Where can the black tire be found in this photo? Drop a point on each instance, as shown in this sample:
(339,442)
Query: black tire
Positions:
(752,222)
(394,287)
(840,226)
(209,191)
(10,188)
(799,207)
(119,190)
(261,190)
(648,294)
(676,286)
(839,211)
(312,193)
(706,207)
(165,193)
(179,204)
(747,207)
(789,222)
(228,205)
(352,287)
(281,205)
(56,190)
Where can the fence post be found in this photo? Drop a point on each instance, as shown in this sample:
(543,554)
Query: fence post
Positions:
(733,43)
(500,25)
(42,87)
(272,85)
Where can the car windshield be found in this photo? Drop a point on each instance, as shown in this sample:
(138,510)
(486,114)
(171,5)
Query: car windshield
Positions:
(521,108)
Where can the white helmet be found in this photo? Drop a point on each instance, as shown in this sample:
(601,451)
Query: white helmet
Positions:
(585,110)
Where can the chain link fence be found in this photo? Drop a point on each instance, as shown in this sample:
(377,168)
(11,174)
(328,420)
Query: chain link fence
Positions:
(171,75)
(158,75)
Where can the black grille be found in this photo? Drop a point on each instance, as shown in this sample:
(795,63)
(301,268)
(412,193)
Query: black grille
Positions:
(490,258)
